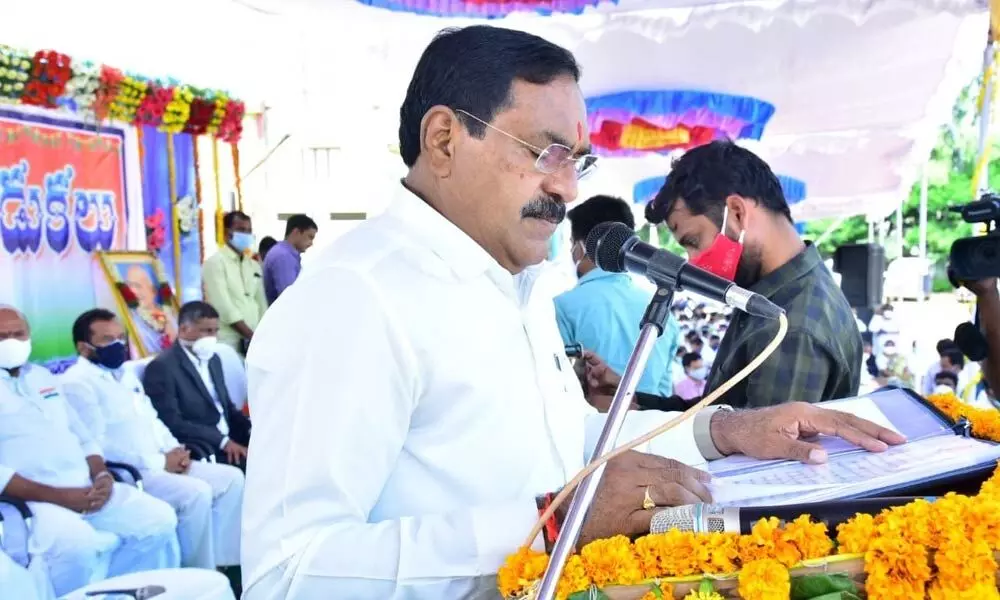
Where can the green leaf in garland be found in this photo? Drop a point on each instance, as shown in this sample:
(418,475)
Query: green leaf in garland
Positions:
(823,587)
(657,592)
(706,587)
(593,593)
(838,596)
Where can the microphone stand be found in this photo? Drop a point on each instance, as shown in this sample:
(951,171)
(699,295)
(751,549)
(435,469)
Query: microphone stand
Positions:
(653,323)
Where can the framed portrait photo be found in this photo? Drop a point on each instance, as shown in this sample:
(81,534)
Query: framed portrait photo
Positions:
(146,302)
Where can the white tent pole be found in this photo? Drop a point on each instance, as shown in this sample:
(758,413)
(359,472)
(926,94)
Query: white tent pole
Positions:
(985,114)
(923,211)
(871,231)
(899,229)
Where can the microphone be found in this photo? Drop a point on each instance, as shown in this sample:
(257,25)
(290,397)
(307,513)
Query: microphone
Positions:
(614,247)
(706,518)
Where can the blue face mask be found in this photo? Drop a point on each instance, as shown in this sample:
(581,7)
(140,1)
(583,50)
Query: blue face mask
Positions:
(111,356)
(242,241)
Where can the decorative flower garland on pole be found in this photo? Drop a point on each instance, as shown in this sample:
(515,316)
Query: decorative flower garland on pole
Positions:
(220,235)
(943,550)
(197,193)
(174,218)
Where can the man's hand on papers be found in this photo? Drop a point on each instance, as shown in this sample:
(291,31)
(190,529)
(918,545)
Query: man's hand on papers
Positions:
(777,432)
(617,507)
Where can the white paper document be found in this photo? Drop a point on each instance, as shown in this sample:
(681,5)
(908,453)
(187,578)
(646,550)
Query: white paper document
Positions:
(852,473)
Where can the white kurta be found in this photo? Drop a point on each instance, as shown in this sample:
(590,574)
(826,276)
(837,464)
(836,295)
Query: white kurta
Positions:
(408,408)
(43,439)
(207,499)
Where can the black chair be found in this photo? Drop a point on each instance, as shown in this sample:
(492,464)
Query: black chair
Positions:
(124,473)
(201,451)
(15,527)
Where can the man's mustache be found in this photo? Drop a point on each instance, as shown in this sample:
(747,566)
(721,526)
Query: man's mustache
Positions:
(547,209)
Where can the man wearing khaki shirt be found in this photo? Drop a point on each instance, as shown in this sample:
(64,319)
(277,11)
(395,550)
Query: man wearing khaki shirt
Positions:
(233,283)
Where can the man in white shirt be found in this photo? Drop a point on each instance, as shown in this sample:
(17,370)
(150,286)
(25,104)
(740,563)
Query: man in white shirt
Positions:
(410,407)
(86,526)
(111,403)
(31,583)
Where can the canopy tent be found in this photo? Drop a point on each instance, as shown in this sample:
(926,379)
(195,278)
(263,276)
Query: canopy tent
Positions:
(859,86)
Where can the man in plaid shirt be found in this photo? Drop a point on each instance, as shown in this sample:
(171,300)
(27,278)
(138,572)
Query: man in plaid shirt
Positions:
(725,206)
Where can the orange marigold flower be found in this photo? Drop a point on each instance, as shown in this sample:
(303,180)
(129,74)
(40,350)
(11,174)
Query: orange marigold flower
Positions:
(612,560)
(765,579)
(573,579)
(808,537)
(520,570)
(897,569)
(670,554)
(854,536)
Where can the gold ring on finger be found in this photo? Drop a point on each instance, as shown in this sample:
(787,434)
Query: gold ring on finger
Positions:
(647,500)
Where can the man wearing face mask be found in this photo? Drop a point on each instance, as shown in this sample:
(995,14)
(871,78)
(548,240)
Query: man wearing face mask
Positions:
(692,386)
(725,206)
(604,310)
(117,412)
(85,525)
(188,388)
(234,285)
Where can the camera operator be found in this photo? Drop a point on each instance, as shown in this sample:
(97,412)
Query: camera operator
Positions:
(974,263)
(988,303)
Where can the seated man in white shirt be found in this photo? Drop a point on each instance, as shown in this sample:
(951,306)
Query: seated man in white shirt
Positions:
(411,411)
(85,526)
(25,583)
(207,497)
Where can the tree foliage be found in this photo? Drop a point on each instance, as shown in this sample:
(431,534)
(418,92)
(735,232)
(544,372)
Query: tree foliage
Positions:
(950,172)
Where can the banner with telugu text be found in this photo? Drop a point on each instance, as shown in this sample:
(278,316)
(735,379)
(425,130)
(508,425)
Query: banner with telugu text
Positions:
(63,196)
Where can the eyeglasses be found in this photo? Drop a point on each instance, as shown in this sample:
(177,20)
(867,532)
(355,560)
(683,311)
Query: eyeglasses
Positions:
(551,158)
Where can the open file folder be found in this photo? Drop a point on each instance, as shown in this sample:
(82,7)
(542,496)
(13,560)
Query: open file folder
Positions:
(936,448)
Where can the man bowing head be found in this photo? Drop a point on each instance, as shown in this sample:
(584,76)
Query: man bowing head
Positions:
(410,406)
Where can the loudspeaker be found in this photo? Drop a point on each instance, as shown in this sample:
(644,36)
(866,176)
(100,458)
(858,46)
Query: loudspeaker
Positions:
(862,273)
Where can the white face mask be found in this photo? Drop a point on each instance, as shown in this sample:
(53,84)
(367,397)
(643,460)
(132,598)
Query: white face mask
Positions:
(700,373)
(204,348)
(14,353)
(889,350)
(943,389)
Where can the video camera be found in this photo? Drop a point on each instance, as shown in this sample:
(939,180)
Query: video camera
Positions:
(977,257)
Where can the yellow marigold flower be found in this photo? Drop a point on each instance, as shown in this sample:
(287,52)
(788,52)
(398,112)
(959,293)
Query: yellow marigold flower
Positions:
(854,536)
(765,579)
(520,570)
(612,560)
(808,537)
(963,562)
(979,591)
(759,543)
(897,569)
(573,579)
(670,554)
(717,553)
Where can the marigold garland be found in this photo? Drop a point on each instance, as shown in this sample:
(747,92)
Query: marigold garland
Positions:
(944,550)
(177,110)
(765,579)
(51,79)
